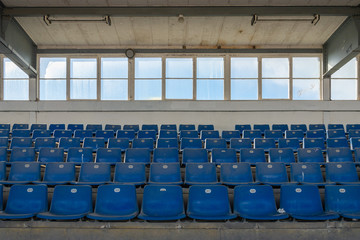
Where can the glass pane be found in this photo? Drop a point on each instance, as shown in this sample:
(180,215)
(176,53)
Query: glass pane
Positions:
(208,89)
(275,88)
(52,67)
(349,70)
(114,68)
(179,68)
(246,89)
(275,67)
(52,89)
(114,89)
(306,67)
(83,89)
(148,89)
(306,89)
(344,89)
(210,67)
(83,68)
(148,68)
(11,70)
(179,89)
(16,89)
(244,67)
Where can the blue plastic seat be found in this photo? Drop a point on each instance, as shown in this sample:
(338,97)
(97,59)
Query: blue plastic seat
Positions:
(204,134)
(233,174)
(223,155)
(314,143)
(313,155)
(303,202)
(79,155)
(146,143)
(69,202)
(341,173)
(23,173)
(271,173)
(274,134)
(205,127)
(106,134)
(302,127)
(115,202)
(67,143)
(167,143)
(240,143)
(337,142)
(58,173)
(25,201)
(73,127)
(113,127)
(147,127)
(41,133)
(335,126)
(211,143)
(261,127)
(200,173)
(2,177)
(5,127)
(23,133)
(252,134)
(165,174)
(281,127)
(264,143)
(228,135)
(20,126)
(4,142)
(62,133)
(242,127)
(44,142)
(94,174)
(292,143)
(166,155)
(3,154)
(194,155)
(155,208)
(283,155)
(355,142)
(298,134)
(94,143)
(190,143)
(252,156)
(344,200)
(147,134)
(342,154)
(189,134)
(53,127)
(130,173)
(209,203)
(335,133)
(256,203)
(108,155)
(83,134)
(168,127)
(4,133)
(186,127)
(306,173)
(130,134)
(352,127)
(317,127)
(94,127)
(354,134)
(168,134)
(22,155)
(137,155)
(316,134)
(134,127)
(20,142)
(47,155)
(122,143)
(356,155)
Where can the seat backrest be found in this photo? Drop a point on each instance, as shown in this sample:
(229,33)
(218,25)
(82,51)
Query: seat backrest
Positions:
(40,133)
(341,172)
(108,155)
(168,134)
(22,142)
(261,127)
(339,154)
(211,143)
(137,155)
(252,134)
(95,172)
(106,134)
(165,173)
(223,155)
(195,155)
(252,155)
(113,127)
(122,143)
(59,172)
(235,173)
(310,155)
(200,173)
(166,155)
(298,134)
(150,127)
(335,126)
(271,173)
(22,171)
(26,154)
(130,173)
(83,134)
(94,143)
(335,133)
(319,133)
(317,127)
(147,134)
(74,127)
(204,134)
(205,127)
(168,127)
(20,126)
(302,127)
(130,134)
(264,143)
(94,127)
(189,134)
(275,134)
(284,155)
(146,143)
(79,155)
(242,127)
(306,173)
(190,143)
(186,127)
(314,143)
(240,143)
(352,127)
(44,142)
(134,127)
(228,135)
(67,143)
(167,143)
(51,155)
(281,127)
(53,127)
(337,142)
(342,199)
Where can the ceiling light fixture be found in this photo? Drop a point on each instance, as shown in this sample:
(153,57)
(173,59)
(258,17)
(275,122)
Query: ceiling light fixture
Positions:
(49,20)
(314,20)
(181,18)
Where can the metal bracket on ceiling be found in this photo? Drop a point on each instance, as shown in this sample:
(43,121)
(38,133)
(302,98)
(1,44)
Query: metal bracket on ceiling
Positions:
(49,20)
(314,20)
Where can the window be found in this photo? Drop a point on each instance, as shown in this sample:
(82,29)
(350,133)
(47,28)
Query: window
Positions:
(179,78)
(114,78)
(244,78)
(52,78)
(275,82)
(210,79)
(83,78)
(306,78)
(16,82)
(148,75)
(344,82)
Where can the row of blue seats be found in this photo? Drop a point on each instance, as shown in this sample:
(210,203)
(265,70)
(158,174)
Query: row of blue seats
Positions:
(211,202)
(170,173)
(171,155)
